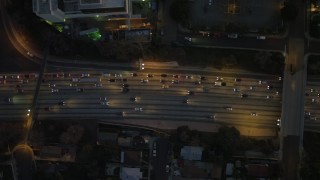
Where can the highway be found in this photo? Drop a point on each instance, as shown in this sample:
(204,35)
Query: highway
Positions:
(312,103)
(159,101)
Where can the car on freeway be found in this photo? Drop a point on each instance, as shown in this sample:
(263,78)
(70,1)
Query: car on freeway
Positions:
(261,37)
(188,39)
(244,95)
(236,89)
(73,85)
(280,78)
(162,81)
(189,77)
(212,117)
(197,82)
(149,75)
(254,114)
(3,77)
(85,75)
(48,108)
(8,99)
(54,90)
(237,80)
(165,86)
(175,81)
(133,99)
(98,85)
(52,85)
(134,74)
(219,83)
(311,90)
(103,98)
(252,87)
(167,168)
(138,109)
(104,103)
(30,54)
(125,90)
(219,78)
(233,36)
(20,90)
(144,80)
(203,78)
(118,75)
(262,82)
(269,97)
(124,79)
(307,113)
(191,92)
(228,108)
(79,89)
(61,103)
(175,76)
(163,75)
(125,85)
(186,101)
(269,87)
(112,80)
(313,118)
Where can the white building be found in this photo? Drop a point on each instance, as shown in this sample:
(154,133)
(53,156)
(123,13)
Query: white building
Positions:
(59,10)
(191,153)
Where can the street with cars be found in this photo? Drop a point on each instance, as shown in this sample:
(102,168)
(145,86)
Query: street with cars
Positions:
(238,100)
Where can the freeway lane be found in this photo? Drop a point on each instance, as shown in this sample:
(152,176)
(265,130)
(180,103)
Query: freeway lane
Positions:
(161,103)
(168,105)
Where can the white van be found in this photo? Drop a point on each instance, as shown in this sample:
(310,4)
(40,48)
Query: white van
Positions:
(261,37)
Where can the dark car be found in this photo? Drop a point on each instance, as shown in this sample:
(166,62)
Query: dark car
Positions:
(8,99)
(269,87)
(237,80)
(164,75)
(203,78)
(125,85)
(124,80)
(125,90)
(191,92)
(112,80)
(133,99)
(162,81)
(61,103)
(244,95)
(80,89)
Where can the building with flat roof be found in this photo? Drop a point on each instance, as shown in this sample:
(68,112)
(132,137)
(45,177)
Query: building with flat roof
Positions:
(191,153)
(59,10)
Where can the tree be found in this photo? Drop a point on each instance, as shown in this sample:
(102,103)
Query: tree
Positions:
(227,138)
(289,11)
(179,11)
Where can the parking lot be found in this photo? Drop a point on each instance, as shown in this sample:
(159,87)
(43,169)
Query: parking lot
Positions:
(251,14)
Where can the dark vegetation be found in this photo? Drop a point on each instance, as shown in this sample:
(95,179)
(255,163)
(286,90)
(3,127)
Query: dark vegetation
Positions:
(289,11)
(314,65)
(310,167)
(11,133)
(221,146)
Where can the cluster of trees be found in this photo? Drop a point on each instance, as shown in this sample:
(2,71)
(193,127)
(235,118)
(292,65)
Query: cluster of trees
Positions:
(310,166)
(314,65)
(289,11)
(220,146)
(179,11)
(11,133)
